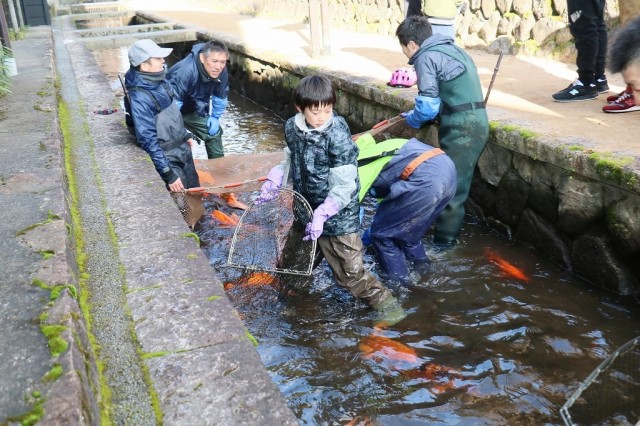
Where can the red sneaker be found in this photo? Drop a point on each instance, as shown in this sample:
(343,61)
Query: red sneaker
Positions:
(615,97)
(624,103)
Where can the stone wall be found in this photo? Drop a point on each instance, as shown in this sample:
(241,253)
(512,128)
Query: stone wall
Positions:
(531,27)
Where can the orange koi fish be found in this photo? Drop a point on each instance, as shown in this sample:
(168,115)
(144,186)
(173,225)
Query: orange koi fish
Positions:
(506,267)
(440,378)
(231,199)
(224,219)
(254,279)
(359,421)
(379,348)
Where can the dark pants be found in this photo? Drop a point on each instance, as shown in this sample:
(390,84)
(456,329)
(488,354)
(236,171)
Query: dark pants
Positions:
(587,26)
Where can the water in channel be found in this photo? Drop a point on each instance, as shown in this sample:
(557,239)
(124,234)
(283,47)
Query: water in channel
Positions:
(477,348)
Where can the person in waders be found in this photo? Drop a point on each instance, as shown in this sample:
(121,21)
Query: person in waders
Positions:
(413,183)
(157,121)
(448,90)
(322,160)
(201,83)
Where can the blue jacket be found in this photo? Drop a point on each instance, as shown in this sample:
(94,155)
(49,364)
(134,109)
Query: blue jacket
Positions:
(193,86)
(143,112)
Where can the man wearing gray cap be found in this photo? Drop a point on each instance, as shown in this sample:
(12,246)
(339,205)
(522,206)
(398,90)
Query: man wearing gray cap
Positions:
(158,124)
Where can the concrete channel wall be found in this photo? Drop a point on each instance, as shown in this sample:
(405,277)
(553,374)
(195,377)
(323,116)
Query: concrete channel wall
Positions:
(164,344)
(578,208)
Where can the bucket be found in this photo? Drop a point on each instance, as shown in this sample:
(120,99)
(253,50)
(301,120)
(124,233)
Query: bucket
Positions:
(9,66)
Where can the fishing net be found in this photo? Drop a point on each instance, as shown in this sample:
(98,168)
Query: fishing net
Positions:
(230,174)
(611,393)
(269,236)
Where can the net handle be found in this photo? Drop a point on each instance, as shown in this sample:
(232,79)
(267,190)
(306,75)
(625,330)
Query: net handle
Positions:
(199,189)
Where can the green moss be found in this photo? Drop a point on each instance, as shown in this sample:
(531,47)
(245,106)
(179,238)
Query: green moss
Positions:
(194,236)
(46,254)
(611,167)
(150,355)
(53,374)
(575,148)
(192,256)
(212,298)
(30,418)
(251,338)
(50,218)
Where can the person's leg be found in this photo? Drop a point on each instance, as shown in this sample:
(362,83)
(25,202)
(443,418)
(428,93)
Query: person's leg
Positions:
(602,42)
(583,25)
(391,259)
(344,255)
(198,126)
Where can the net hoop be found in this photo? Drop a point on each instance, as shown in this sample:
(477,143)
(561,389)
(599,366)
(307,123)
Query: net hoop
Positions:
(301,203)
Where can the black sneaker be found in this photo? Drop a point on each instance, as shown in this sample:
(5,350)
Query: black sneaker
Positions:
(601,84)
(576,91)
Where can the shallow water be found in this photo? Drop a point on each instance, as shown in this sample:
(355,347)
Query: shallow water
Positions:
(494,349)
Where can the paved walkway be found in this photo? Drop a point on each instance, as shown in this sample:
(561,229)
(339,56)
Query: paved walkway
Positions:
(521,94)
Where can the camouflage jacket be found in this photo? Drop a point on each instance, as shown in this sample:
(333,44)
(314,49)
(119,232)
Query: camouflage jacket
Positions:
(324,164)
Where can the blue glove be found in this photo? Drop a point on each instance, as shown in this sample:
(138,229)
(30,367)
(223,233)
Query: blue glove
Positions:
(366,237)
(179,103)
(411,119)
(214,125)
(320,215)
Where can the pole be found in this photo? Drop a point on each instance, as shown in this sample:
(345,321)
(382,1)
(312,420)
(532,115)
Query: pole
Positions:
(326,26)
(14,20)
(4,29)
(314,24)
(493,77)
(20,14)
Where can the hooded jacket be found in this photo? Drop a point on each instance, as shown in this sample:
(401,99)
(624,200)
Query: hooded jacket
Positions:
(148,99)
(193,86)
(324,164)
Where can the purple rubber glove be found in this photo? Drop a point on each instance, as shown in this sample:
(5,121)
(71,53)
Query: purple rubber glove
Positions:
(320,215)
(273,182)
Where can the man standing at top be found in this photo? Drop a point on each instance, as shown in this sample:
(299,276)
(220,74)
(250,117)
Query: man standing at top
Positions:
(201,83)
(448,88)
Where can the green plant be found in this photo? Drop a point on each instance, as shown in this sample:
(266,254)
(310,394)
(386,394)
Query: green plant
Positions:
(5,80)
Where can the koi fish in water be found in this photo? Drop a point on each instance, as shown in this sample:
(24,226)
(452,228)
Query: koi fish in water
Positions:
(381,348)
(506,267)
(205,177)
(231,199)
(254,279)
(439,377)
(224,219)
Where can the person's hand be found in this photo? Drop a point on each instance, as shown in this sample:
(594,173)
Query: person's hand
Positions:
(366,237)
(214,125)
(411,120)
(273,182)
(176,186)
(314,229)
(190,142)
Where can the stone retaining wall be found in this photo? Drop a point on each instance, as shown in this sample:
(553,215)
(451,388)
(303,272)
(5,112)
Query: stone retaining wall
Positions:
(532,27)
(576,207)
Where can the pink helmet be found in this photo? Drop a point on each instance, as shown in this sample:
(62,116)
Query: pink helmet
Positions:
(403,77)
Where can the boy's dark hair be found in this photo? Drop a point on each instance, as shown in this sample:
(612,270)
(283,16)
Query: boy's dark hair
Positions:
(414,28)
(214,46)
(625,47)
(313,91)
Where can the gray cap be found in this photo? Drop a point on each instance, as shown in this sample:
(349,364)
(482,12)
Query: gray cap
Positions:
(142,50)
